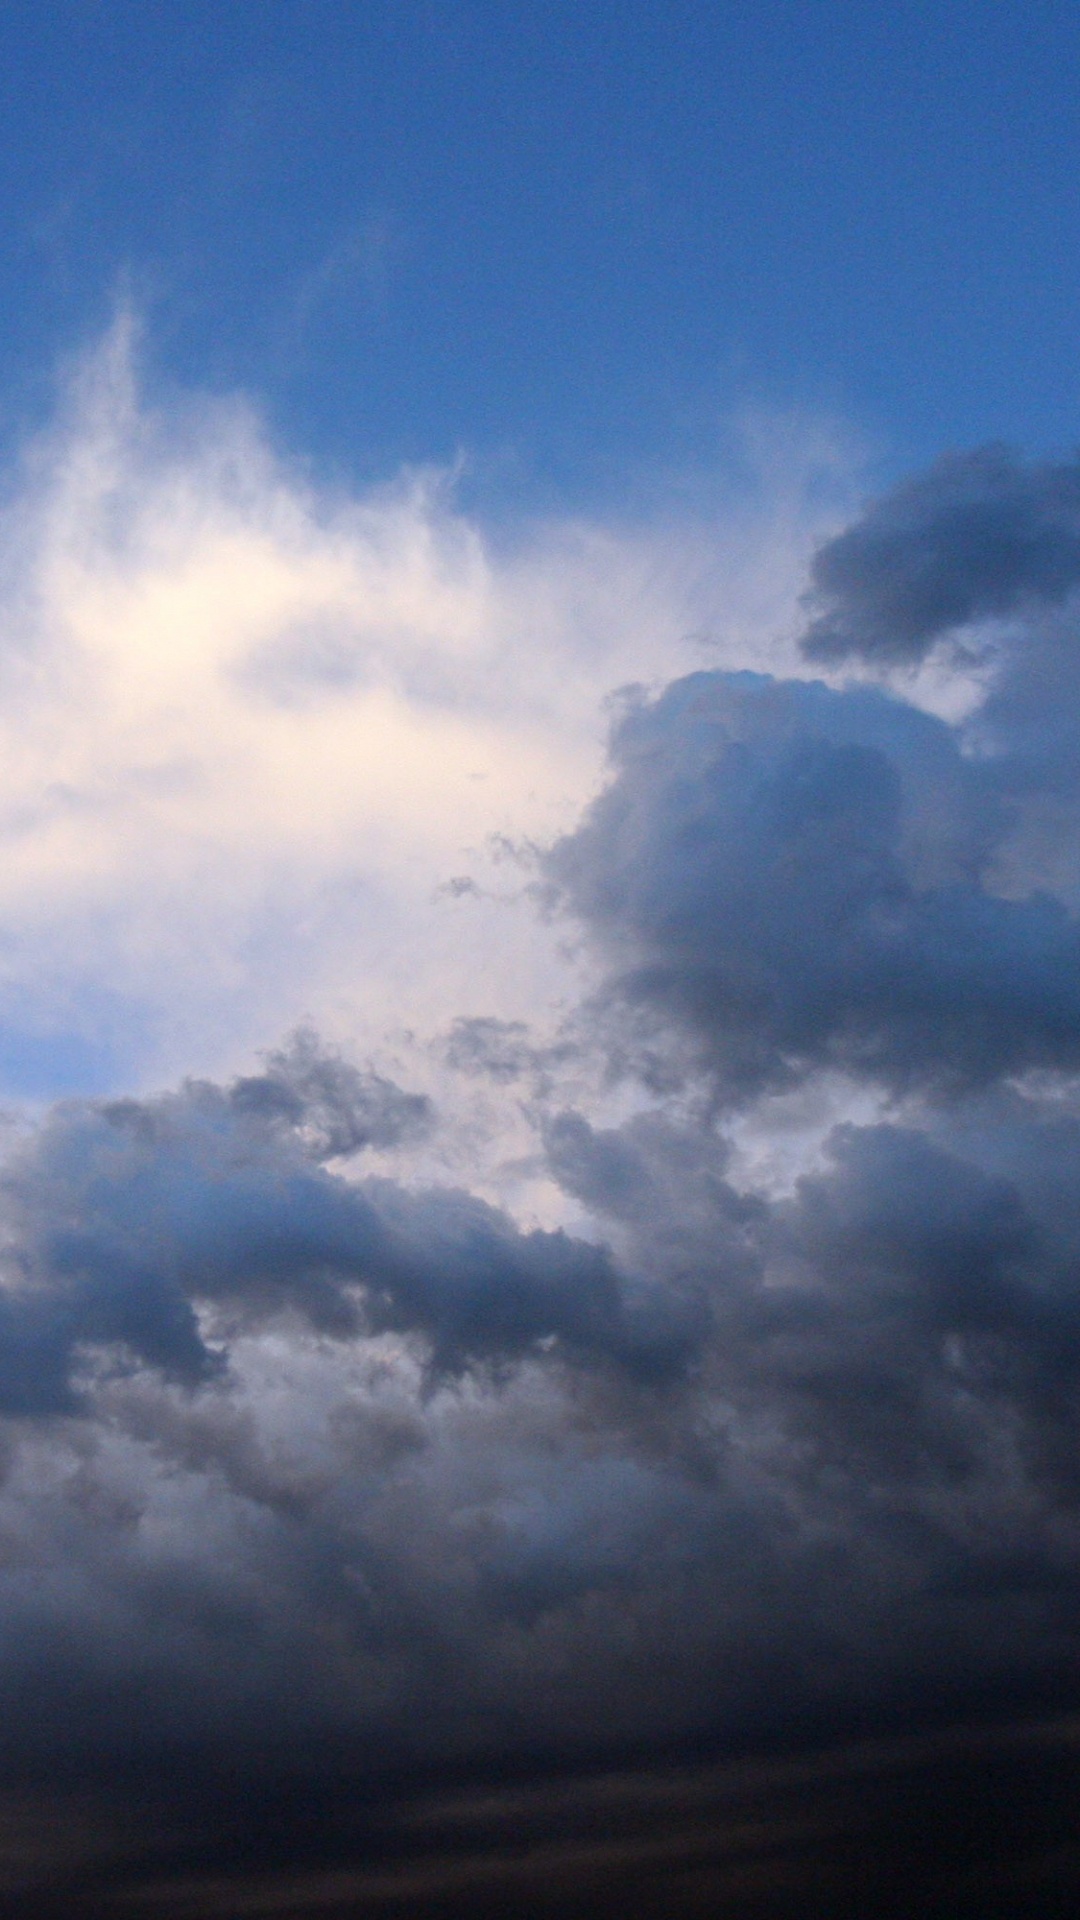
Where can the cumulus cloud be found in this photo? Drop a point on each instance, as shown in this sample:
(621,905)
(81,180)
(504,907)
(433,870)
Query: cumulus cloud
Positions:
(804,878)
(310,1448)
(777,1460)
(979,535)
(125,1217)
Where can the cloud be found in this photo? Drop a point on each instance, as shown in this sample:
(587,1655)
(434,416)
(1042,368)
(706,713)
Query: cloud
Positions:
(124,1218)
(251,727)
(330,1106)
(803,878)
(979,536)
(974,1821)
(852,1497)
(472,1391)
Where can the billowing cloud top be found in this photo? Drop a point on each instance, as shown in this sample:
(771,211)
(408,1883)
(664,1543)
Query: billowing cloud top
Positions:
(664,1328)
(806,878)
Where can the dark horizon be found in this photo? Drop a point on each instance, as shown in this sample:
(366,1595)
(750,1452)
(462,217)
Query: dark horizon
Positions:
(977,1820)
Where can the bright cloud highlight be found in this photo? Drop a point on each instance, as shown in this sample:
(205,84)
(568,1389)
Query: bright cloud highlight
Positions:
(263,743)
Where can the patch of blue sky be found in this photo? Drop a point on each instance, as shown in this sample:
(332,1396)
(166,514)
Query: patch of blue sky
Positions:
(570,240)
(48,1066)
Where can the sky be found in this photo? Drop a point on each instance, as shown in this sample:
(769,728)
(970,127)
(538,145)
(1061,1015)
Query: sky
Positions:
(567,241)
(539,959)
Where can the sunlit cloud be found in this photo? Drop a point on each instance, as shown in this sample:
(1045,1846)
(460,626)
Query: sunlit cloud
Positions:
(264,743)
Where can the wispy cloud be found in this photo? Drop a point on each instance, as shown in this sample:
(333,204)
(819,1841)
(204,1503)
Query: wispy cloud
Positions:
(251,729)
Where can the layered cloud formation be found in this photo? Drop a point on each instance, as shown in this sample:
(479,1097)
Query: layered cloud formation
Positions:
(754,1407)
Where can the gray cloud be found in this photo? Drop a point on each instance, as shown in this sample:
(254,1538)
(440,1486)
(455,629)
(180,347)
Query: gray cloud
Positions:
(497,1050)
(330,1108)
(979,535)
(302,1461)
(804,878)
(895,1317)
(122,1217)
(323,1566)
(858,1489)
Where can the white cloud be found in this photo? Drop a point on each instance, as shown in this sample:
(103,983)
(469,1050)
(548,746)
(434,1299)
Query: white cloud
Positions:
(250,731)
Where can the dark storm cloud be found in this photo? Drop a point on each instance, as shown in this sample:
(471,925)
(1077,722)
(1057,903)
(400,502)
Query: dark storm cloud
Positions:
(803,878)
(888,1322)
(924,1311)
(855,1510)
(313,1476)
(319,1566)
(975,1824)
(979,535)
(123,1216)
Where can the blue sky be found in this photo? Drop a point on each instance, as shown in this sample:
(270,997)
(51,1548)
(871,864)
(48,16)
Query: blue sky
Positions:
(568,239)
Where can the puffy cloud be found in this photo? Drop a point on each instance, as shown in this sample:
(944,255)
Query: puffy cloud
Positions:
(980,535)
(856,1493)
(310,1450)
(125,1217)
(804,878)
(984,551)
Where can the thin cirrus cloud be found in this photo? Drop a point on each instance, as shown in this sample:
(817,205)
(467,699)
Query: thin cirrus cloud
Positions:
(311,1449)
